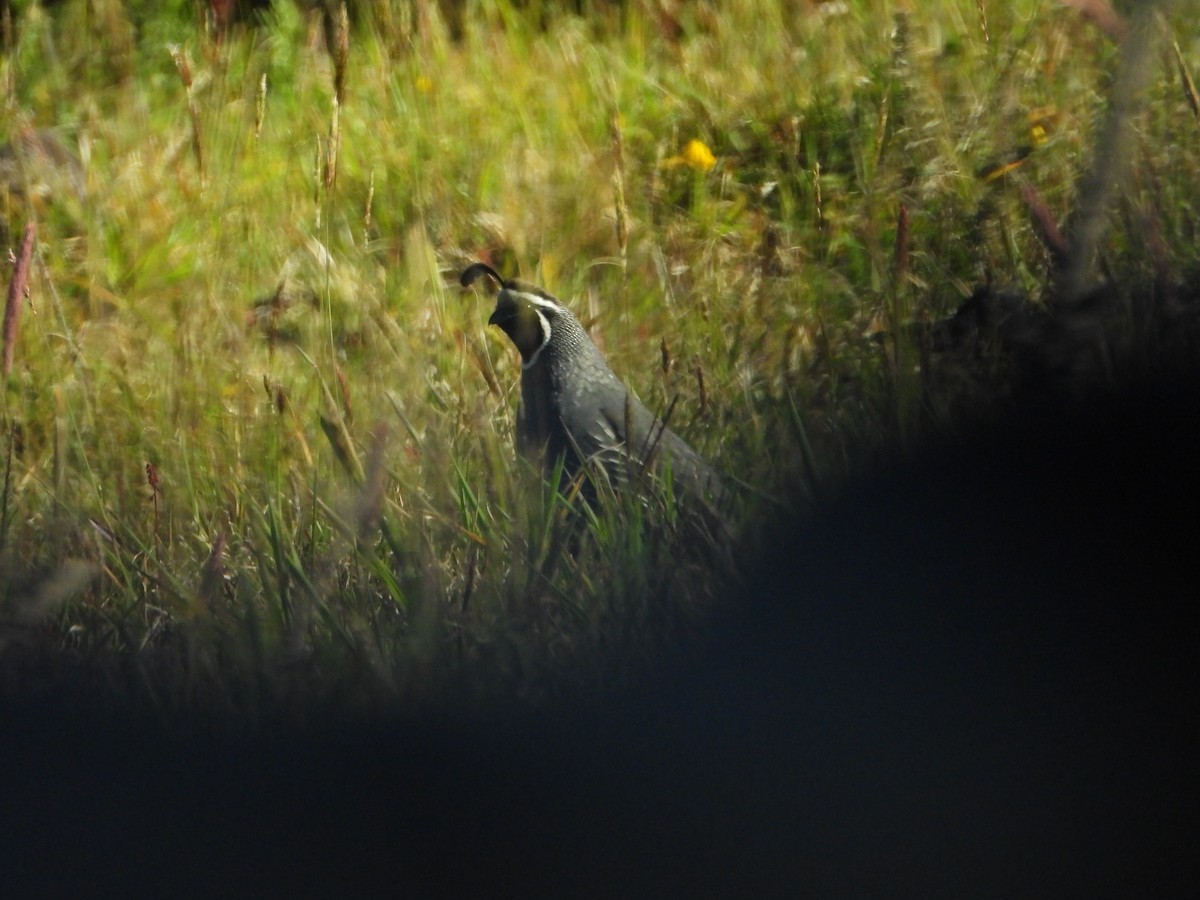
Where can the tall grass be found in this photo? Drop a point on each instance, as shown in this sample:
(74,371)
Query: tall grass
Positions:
(254,300)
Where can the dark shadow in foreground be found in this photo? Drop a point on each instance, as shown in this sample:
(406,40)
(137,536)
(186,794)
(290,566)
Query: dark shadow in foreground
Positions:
(971,676)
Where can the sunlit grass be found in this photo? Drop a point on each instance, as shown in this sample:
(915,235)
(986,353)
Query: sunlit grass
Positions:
(255,296)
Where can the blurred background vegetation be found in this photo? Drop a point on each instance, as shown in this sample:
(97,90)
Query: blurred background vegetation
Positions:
(256,443)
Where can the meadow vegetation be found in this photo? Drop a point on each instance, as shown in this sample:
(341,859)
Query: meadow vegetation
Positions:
(256,443)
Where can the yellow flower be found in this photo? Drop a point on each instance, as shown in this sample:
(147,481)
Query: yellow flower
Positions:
(424,84)
(696,155)
(1042,121)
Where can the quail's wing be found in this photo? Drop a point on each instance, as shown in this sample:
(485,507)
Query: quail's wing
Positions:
(647,439)
(632,425)
(596,437)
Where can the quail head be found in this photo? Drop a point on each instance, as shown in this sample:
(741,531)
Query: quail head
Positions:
(573,407)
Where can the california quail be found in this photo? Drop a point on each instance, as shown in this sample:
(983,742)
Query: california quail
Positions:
(572,405)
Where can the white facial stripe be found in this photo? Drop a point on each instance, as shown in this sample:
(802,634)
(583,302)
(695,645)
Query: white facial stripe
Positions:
(538,300)
(545,323)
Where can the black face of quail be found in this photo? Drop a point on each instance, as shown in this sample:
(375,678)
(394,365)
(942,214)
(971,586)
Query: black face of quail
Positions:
(527,326)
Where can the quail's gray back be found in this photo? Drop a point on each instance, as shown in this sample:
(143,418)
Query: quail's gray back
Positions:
(572,405)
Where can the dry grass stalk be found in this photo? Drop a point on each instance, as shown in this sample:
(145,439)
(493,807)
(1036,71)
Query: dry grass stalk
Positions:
(212,576)
(1189,86)
(18,289)
(155,482)
(334,425)
(619,205)
(341,53)
(368,207)
(900,257)
(701,390)
(344,393)
(329,172)
(184,66)
(983,22)
(1047,228)
(369,509)
(260,106)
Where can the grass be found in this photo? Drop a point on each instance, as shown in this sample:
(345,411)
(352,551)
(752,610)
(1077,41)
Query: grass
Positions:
(257,443)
